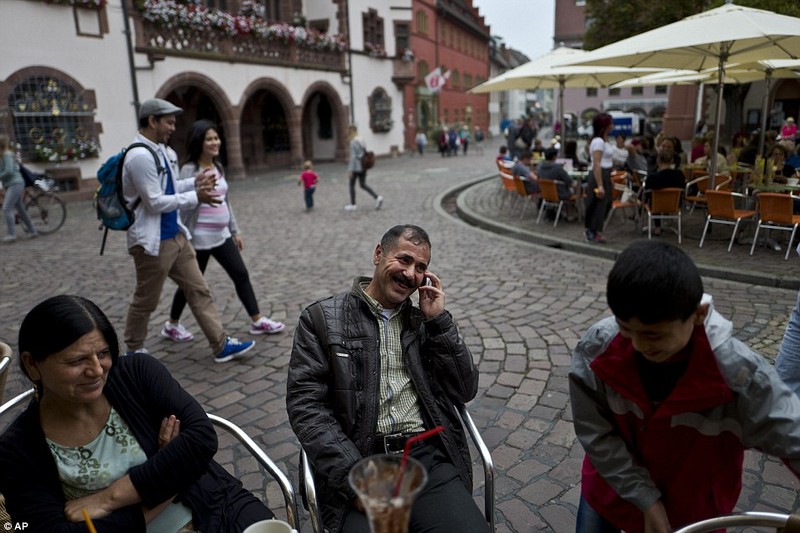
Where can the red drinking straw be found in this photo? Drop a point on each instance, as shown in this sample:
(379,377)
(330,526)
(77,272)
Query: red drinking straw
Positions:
(407,449)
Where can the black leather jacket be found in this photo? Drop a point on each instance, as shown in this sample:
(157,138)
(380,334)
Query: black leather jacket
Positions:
(333,392)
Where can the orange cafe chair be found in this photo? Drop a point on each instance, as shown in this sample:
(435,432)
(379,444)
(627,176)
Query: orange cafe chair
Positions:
(775,212)
(665,204)
(523,194)
(620,185)
(551,200)
(722,210)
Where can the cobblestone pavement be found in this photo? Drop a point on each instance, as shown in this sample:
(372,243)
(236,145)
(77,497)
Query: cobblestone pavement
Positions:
(521,306)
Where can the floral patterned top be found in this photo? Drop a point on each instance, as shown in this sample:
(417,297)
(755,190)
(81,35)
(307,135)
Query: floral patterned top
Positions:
(87,469)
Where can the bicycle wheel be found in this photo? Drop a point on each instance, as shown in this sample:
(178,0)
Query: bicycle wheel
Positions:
(47,211)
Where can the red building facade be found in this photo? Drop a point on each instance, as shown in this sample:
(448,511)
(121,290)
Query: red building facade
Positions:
(452,35)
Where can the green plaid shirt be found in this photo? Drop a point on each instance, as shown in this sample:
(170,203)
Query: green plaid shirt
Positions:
(399,410)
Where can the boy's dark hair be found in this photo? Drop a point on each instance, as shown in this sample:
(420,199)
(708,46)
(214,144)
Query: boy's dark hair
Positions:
(653,281)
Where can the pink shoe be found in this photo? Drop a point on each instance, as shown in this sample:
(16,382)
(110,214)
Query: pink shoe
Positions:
(176,332)
(266,326)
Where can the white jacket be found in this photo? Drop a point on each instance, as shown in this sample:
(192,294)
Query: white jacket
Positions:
(140,179)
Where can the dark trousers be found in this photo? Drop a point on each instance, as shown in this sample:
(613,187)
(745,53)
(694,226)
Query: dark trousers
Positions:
(443,506)
(590,521)
(308,194)
(362,182)
(596,207)
(229,258)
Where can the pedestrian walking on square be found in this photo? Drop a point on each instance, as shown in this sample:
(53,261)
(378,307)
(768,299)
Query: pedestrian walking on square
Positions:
(309,180)
(421,141)
(158,240)
(356,171)
(214,234)
(15,189)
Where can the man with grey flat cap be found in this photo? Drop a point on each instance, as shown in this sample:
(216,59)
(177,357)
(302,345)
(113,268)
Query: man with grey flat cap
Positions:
(158,241)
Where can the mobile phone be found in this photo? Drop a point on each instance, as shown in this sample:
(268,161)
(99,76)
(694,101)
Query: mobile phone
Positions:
(426,281)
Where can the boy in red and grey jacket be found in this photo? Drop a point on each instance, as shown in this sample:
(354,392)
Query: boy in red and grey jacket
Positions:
(665,401)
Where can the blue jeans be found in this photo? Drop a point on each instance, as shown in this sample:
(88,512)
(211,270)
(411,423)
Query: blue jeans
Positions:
(13,201)
(589,521)
(309,196)
(788,361)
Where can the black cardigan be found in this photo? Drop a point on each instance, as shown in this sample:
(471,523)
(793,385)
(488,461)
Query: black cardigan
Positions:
(143,392)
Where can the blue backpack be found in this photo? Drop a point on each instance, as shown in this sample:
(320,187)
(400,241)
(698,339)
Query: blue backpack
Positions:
(112,209)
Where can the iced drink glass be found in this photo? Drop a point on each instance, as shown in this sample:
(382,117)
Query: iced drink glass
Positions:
(374,479)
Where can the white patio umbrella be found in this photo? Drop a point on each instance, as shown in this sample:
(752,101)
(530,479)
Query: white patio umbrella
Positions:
(734,73)
(543,73)
(726,34)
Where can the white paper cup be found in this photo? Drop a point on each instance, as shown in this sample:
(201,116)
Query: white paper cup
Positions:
(269,526)
(792,181)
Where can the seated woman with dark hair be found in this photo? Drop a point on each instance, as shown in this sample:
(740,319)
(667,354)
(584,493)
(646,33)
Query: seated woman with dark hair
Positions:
(118,437)
(665,177)
(783,170)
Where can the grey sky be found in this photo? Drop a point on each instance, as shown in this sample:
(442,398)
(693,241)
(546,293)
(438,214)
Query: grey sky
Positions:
(526,25)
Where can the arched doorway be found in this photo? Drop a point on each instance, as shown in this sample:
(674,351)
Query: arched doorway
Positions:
(266,141)
(319,133)
(196,105)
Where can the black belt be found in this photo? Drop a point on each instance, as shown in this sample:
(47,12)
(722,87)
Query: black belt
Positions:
(394,443)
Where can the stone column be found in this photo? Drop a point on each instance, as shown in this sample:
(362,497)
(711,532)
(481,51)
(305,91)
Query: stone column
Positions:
(294,121)
(233,139)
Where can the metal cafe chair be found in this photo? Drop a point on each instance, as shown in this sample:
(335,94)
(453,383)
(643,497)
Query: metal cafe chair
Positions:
(775,212)
(311,501)
(665,204)
(780,522)
(551,200)
(722,210)
(255,450)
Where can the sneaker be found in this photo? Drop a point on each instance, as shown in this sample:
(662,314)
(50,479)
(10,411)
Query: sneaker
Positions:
(233,350)
(265,325)
(9,238)
(137,352)
(378,202)
(350,207)
(589,235)
(598,237)
(176,332)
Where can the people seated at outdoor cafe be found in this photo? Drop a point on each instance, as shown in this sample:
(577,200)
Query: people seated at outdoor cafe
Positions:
(665,144)
(665,177)
(503,154)
(737,143)
(698,150)
(749,152)
(571,152)
(635,161)
(537,150)
(705,161)
(116,437)
(794,156)
(782,169)
(620,152)
(551,170)
(789,129)
(522,170)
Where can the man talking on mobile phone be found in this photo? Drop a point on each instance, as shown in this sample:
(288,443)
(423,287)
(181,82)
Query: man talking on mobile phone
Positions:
(369,370)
